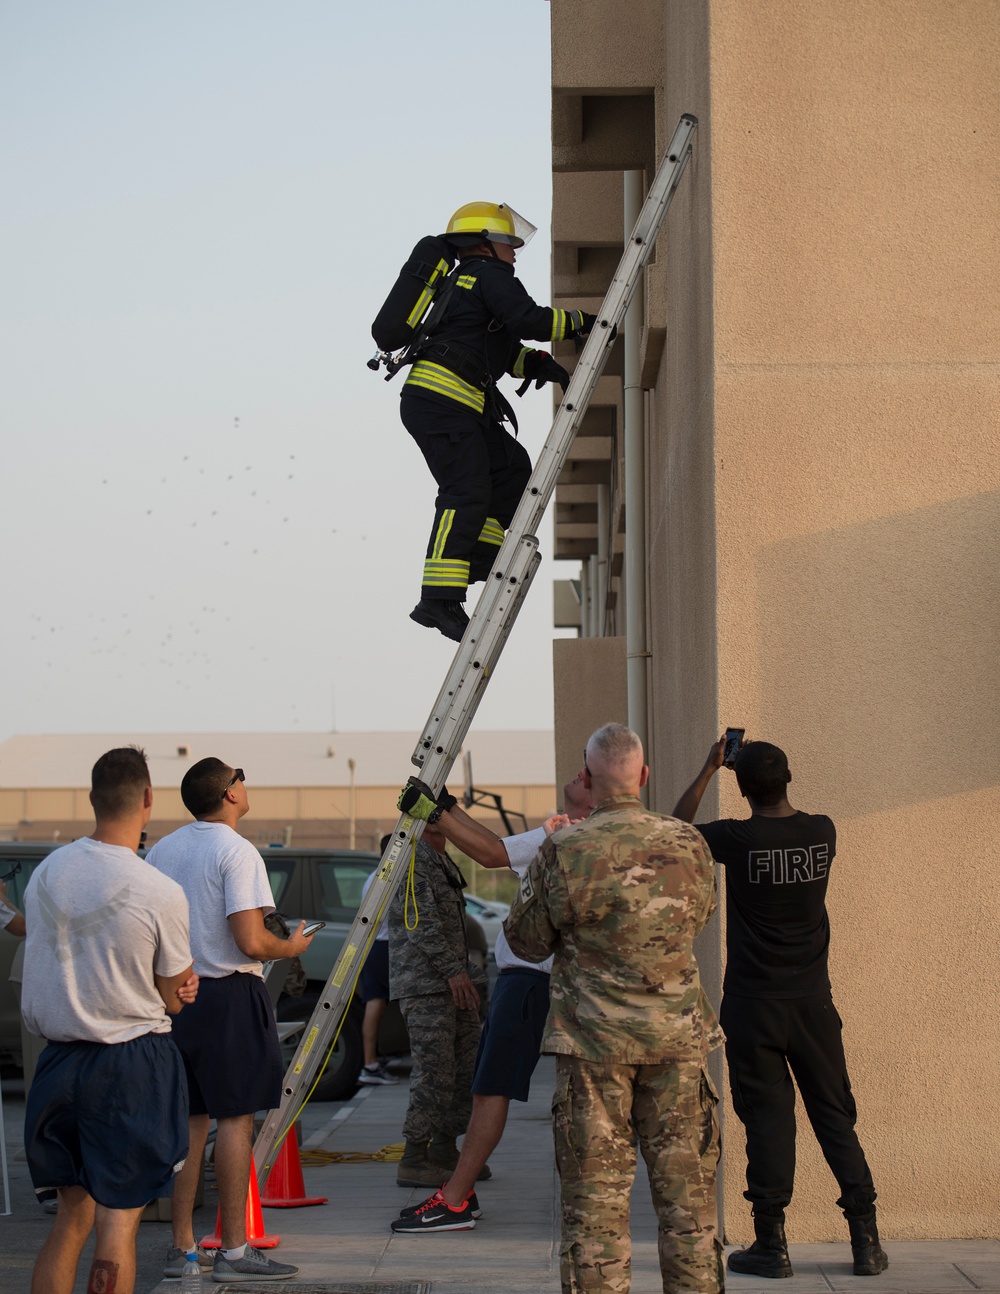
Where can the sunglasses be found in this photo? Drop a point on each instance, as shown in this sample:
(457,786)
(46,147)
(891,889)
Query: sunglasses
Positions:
(586,769)
(238,776)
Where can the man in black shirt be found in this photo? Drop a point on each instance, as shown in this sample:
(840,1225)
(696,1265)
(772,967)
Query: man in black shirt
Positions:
(777,1008)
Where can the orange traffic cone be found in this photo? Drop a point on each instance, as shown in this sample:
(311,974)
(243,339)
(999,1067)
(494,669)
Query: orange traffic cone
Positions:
(256,1235)
(284,1188)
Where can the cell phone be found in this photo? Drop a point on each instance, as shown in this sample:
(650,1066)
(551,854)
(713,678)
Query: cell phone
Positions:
(734,737)
(312,927)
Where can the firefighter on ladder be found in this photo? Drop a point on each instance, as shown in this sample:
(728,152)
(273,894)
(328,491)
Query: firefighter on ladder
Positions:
(451,407)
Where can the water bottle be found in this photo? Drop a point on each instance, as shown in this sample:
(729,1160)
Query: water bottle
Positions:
(191,1275)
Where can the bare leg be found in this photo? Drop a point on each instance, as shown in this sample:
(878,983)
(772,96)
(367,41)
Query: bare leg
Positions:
(489,1118)
(113,1268)
(233,1143)
(186,1183)
(374,1011)
(55,1266)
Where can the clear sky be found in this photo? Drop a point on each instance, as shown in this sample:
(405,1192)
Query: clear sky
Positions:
(212,518)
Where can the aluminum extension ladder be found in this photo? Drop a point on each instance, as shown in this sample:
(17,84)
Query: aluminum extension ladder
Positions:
(477,655)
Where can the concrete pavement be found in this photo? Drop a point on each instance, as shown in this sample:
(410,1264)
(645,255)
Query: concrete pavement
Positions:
(345,1247)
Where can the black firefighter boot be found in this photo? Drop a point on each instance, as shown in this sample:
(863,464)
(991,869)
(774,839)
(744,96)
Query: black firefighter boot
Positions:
(768,1255)
(448,615)
(869,1257)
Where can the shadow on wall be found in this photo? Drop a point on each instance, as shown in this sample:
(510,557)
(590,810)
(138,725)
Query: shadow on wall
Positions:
(879,647)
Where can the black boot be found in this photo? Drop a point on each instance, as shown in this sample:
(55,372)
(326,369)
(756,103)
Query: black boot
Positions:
(446,614)
(768,1255)
(869,1256)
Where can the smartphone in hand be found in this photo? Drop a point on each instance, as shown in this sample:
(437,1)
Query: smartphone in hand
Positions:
(312,927)
(734,739)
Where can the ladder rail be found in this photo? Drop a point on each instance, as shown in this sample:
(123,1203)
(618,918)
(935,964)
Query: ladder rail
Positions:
(476,657)
(324,1025)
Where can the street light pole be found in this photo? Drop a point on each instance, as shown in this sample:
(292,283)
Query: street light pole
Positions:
(350,805)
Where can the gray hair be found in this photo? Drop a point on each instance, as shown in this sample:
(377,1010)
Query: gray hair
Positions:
(614,747)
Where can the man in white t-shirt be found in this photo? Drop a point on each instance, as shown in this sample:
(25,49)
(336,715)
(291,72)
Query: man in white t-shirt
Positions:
(107,963)
(228,1040)
(510,1042)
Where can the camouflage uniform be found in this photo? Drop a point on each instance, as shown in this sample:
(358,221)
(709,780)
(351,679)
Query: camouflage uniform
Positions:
(443,1039)
(619,899)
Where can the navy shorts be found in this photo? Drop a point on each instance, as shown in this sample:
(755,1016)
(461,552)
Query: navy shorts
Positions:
(229,1042)
(511,1040)
(374,980)
(110,1118)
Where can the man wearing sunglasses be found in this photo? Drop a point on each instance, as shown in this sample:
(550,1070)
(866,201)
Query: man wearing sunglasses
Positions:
(230,1043)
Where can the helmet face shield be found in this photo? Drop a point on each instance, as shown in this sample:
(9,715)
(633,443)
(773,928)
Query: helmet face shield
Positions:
(489,222)
(524,230)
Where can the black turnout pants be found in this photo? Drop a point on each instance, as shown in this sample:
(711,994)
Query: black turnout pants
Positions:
(481,472)
(765,1038)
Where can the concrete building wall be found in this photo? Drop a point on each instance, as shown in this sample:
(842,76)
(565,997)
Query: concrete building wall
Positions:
(590,691)
(822,515)
(31,807)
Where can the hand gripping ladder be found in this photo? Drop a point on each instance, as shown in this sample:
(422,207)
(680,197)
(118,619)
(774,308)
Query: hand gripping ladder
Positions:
(478,653)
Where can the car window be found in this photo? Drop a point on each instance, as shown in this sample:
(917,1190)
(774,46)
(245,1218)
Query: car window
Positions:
(341,882)
(279,873)
(18,882)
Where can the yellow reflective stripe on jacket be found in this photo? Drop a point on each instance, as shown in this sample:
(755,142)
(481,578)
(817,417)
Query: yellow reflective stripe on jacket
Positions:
(518,369)
(560,324)
(466,281)
(442,381)
(492,532)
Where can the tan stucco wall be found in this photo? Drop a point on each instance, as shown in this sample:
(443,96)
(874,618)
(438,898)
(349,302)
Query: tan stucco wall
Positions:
(589,691)
(823,509)
(273,803)
(855,186)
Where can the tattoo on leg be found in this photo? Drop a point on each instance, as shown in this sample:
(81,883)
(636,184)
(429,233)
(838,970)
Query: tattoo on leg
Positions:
(103,1277)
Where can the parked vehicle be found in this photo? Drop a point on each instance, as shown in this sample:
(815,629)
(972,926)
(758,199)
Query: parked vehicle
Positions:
(490,914)
(323,884)
(17,862)
(327,884)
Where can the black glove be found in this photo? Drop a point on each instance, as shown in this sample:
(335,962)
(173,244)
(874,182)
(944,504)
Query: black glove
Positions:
(540,367)
(586,325)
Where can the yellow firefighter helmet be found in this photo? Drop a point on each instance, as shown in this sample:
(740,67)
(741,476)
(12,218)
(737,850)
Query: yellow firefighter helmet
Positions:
(489,222)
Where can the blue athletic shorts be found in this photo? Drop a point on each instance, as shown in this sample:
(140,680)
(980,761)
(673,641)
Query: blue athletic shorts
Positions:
(229,1042)
(110,1118)
(512,1035)
(374,980)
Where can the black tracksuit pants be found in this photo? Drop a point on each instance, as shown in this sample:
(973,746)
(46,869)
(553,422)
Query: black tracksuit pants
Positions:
(765,1038)
(481,472)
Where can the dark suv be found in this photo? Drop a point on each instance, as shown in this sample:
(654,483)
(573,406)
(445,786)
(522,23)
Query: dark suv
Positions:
(306,883)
